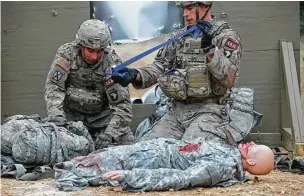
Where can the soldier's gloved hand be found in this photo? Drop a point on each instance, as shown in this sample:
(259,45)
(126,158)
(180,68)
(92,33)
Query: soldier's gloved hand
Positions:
(58,120)
(102,141)
(129,76)
(207,31)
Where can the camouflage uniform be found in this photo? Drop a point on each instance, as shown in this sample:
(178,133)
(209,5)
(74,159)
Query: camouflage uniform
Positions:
(198,88)
(30,140)
(76,91)
(158,164)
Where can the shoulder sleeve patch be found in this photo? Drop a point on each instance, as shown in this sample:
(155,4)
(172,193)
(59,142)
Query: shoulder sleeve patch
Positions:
(62,63)
(115,93)
(230,43)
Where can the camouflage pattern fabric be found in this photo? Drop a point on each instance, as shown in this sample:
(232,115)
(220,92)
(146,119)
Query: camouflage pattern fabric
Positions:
(93,34)
(32,141)
(287,164)
(155,96)
(208,111)
(207,120)
(224,66)
(189,121)
(237,116)
(187,3)
(76,91)
(158,164)
(161,109)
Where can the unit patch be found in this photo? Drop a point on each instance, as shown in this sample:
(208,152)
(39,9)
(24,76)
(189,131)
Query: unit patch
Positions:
(231,44)
(57,75)
(113,95)
(228,53)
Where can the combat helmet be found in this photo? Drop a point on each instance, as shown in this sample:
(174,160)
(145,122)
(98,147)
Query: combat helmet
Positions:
(93,34)
(187,3)
(183,4)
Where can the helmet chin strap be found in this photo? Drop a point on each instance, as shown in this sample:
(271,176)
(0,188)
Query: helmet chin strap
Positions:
(203,45)
(197,12)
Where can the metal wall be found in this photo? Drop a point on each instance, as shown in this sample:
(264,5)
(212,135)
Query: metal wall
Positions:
(30,36)
(261,25)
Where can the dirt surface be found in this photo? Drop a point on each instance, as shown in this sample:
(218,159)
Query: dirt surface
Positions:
(276,183)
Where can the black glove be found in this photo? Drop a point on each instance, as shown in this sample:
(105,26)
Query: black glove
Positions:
(127,76)
(102,141)
(207,31)
(58,120)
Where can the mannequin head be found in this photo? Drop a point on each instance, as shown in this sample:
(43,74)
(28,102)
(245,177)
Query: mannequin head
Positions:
(256,159)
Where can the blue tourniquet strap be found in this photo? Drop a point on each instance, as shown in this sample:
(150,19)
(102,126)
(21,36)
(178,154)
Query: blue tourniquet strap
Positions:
(115,70)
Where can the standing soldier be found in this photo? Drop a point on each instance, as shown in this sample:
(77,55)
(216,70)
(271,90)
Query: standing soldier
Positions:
(75,87)
(197,74)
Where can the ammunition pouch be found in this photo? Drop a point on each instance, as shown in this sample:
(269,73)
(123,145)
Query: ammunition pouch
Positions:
(174,85)
(83,101)
(198,82)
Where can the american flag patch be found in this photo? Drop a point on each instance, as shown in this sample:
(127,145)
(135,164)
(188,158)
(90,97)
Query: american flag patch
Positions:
(231,44)
(63,64)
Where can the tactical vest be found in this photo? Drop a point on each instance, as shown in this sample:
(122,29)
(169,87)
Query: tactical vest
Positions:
(85,92)
(189,77)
